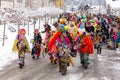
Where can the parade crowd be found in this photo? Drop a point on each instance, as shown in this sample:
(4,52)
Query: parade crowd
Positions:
(75,35)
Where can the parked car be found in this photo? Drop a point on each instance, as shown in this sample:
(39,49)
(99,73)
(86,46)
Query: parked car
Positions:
(12,29)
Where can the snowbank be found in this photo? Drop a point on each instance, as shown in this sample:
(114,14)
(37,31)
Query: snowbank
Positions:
(6,54)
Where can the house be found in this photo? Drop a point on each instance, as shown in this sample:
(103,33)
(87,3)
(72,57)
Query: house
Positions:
(12,3)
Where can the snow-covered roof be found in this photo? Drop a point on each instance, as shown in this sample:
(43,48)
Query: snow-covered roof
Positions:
(18,14)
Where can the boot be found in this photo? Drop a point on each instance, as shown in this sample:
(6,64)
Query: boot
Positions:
(55,61)
(38,57)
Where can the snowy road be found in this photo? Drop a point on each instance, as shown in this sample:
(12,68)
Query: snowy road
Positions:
(102,67)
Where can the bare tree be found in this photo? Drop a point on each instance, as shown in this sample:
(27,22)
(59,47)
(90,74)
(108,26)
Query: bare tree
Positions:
(0,3)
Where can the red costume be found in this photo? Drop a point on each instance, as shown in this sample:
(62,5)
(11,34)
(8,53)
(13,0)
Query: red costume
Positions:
(87,45)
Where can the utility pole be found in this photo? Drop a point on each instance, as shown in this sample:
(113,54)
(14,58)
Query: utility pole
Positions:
(99,6)
(108,9)
(42,3)
(13,3)
(24,2)
(4,34)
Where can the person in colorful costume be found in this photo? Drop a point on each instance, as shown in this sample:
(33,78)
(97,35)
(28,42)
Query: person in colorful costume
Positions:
(63,61)
(21,45)
(61,40)
(47,32)
(52,52)
(86,48)
(63,53)
(37,41)
(72,30)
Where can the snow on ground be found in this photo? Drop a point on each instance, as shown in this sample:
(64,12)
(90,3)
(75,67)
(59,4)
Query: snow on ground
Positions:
(117,66)
(6,54)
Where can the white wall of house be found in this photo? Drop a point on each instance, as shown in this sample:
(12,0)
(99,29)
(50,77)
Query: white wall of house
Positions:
(33,4)
(113,4)
(7,4)
(40,3)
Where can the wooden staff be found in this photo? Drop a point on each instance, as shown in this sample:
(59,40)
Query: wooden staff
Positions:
(54,19)
(18,26)
(42,18)
(34,24)
(24,22)
(48,20)
(51,19)
(4,33)
(28,24)
(45,18)
(28,27)
(39,23)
